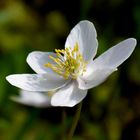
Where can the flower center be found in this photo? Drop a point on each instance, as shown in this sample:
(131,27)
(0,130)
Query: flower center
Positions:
(68,63)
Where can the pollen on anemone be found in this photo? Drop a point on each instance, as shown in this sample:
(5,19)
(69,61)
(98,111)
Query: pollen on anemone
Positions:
(68,73)
(69,62)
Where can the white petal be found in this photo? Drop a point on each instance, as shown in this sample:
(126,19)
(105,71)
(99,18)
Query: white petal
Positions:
(69,95)
(97,77)
(111,59)
(36,82)
(116,55)
(38,59)
(36,99)
(84,34)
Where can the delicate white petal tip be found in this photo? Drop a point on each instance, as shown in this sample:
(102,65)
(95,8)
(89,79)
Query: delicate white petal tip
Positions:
(68,96)
(133,40)
(36,82)
(84,33)
(36,99)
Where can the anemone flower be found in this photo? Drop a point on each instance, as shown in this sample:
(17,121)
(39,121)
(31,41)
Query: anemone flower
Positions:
(67,74)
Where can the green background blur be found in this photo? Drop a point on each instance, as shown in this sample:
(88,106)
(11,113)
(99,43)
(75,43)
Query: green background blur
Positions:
(111,111)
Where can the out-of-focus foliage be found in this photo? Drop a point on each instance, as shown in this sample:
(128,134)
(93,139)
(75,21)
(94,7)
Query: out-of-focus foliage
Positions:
(111,111)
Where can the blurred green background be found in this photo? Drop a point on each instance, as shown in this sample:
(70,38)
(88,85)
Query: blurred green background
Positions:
(111,111)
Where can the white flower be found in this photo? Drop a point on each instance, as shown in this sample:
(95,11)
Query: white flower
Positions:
(70,72)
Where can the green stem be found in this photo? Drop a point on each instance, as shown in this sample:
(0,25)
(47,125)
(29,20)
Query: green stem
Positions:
(63,124)
(75,121)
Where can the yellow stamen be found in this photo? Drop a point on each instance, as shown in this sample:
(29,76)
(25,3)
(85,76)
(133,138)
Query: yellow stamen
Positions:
(69,62)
